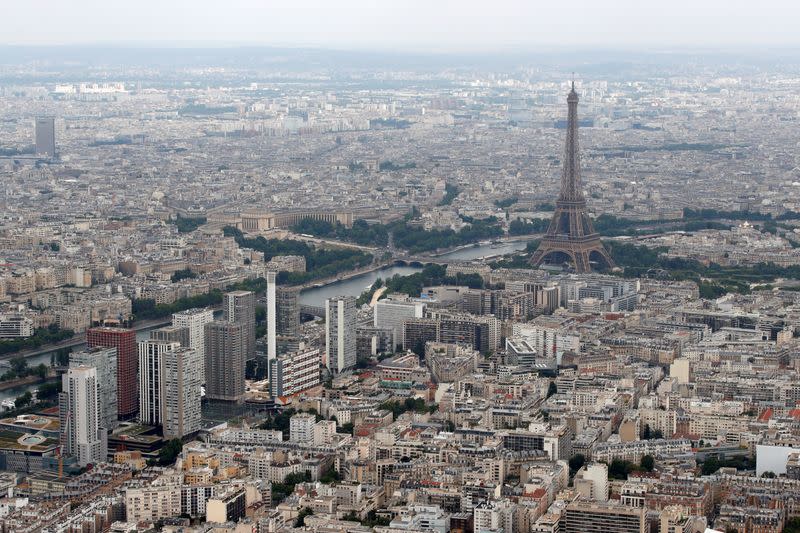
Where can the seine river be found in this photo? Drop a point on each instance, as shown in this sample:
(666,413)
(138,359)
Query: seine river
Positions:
(355,286)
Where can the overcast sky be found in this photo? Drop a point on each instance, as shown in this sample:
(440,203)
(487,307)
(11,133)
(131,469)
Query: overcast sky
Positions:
(443,25)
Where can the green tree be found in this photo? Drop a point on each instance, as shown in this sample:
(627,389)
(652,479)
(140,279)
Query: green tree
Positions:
(169,452)
(576,462)
(23,400)
(619,469)
(48,391)
(710,466)
(647,462)
(330,476)
(301,516)
(18,365)
(552,389)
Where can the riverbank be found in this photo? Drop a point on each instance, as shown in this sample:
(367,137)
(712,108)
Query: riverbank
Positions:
(78,340)
(319,283)
(27,380)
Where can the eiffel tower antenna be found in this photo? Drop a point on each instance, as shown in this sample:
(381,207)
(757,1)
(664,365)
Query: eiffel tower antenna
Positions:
(571,236)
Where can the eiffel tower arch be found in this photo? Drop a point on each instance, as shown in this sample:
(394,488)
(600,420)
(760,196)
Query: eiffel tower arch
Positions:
(571,237)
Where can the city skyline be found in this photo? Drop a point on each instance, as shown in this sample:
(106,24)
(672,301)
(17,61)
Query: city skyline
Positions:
(398,267)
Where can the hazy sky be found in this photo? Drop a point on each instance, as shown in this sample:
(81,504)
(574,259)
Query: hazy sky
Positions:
(404,24)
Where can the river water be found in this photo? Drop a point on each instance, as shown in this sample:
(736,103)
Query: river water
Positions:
(352,286)
(485,251)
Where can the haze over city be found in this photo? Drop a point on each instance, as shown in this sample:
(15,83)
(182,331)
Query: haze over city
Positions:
(444,25)
(427,267)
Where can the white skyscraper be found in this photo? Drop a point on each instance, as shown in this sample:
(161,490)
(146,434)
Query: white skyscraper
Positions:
(105,361)
(340,333)
(151,367)
(180,381)
(272,351)
(195,320)
(82,434)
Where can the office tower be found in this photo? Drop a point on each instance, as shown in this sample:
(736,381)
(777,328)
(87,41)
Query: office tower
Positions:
(45,136)
(105,361)
(240,306)
(82,435)
(225,361)
(195,320)
(597,517)
(571,236)
(151,386)
(180,406)
(271,318)
(287,302)
(294,372)
(124,340)
(340,333)
(390,314)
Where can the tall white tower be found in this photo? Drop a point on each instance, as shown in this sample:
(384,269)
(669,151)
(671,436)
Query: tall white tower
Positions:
(151,384)
(105,361)
(272,351)
(340,333)
(82,434)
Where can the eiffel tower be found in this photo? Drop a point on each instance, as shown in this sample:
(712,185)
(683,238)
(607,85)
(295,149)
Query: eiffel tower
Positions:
(571,236)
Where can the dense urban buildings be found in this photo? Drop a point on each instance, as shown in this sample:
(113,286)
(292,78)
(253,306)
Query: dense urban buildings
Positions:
(281,291)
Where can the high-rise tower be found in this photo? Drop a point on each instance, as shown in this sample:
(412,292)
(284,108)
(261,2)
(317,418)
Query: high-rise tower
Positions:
(82,433)
(195,320)
(180,402)
(271,318)
(340,333)
(45,135)
(124,340)
(571,236)
(225,361)
(104,360)
(151,379)
(240,306)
